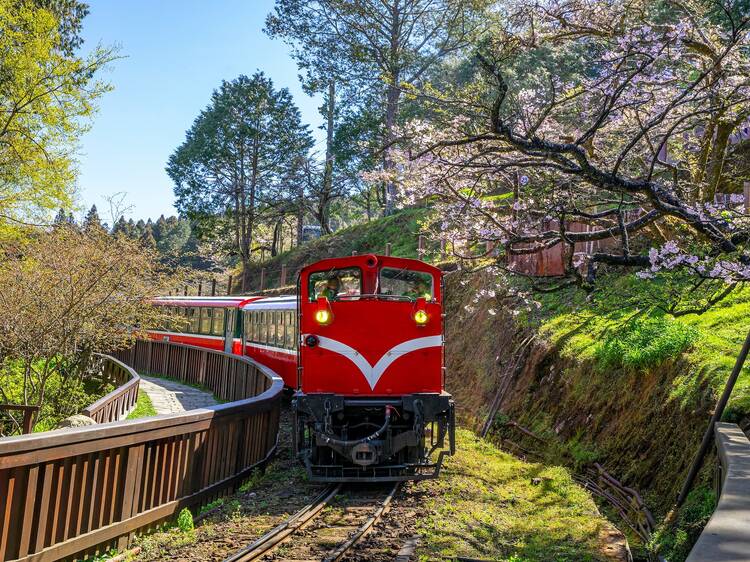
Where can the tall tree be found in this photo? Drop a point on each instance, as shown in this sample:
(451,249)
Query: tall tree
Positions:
(386,45)
(92,221)
(236,155)
(46,94)
(617,117)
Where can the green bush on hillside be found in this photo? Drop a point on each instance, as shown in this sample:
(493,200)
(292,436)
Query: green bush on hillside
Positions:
(644,343)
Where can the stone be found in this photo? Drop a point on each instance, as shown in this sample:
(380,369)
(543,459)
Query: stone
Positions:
(77,420)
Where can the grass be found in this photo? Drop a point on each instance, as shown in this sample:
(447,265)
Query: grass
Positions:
(144,408)
(618,332)
(490,505)
(401,230)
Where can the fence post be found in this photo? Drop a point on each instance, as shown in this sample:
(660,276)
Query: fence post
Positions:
(387,248)
(420,246)
(354,252)
(229,286)
(262,278)
(442,248)
(186,290)
(282,281)
(213,287)
(200,288)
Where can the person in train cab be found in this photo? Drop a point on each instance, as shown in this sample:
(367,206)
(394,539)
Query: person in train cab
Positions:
(332,288)
(419,290)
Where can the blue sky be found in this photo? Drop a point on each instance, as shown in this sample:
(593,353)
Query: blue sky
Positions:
(177,52)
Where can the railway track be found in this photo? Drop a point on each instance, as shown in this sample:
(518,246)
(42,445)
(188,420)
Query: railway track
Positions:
(320,534)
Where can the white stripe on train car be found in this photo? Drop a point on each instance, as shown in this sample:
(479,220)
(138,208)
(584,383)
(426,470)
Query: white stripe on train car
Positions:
(272,348)
(373,372)
(274,305)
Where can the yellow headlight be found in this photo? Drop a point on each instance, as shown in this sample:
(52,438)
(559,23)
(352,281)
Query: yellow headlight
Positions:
(322,316)
(420,317)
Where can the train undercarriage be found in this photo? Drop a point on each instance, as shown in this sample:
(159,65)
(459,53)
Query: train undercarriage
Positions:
(348,439)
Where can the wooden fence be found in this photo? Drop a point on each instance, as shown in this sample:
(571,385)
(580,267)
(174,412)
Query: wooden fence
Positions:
(122,399)
(76,492)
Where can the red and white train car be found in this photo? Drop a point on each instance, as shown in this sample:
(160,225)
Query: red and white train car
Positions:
(361,344)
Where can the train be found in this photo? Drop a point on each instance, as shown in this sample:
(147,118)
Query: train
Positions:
(360,348)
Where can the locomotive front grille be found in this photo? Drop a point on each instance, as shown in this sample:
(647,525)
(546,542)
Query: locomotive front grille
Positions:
(340,439)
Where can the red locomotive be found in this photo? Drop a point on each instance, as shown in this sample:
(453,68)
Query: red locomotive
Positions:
(362,346)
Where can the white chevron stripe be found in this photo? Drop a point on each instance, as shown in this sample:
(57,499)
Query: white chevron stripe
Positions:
(373,373)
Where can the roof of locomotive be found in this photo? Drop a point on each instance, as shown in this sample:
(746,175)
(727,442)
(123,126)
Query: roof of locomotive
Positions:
(365,259)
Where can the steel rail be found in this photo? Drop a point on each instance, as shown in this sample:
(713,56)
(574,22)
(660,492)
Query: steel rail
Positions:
(280,533)
(342,549)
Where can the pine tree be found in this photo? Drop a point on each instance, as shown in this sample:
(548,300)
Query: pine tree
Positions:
(147,238)
(121,227)
(92,221)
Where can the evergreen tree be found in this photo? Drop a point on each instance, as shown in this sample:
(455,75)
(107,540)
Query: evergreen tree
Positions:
(121,227)
(158,228)
(140,228)
(236,157)
(92,221)
(61,217)
(147,238)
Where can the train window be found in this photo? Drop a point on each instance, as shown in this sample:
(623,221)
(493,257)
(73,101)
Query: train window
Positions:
(254,326)
(290,329)
(263,327)
(279,321)
(405,283)
(218,323)
(206,317)
(335,283)
(193,319)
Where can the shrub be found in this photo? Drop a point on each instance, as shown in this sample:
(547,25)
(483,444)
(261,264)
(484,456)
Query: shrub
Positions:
(644,343)
(185,521)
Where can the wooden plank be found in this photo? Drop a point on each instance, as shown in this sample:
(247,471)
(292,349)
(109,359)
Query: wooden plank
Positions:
(28,511)
(7,483)
(41,533)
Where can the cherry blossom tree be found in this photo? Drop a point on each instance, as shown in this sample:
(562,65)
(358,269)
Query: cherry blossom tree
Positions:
(617,124)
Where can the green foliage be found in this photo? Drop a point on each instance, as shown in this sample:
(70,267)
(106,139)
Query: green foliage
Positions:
(644,343)
(144,408)
(401,230)
(673,541)
(47,94)
(256,477)
(251,131)
(185,521)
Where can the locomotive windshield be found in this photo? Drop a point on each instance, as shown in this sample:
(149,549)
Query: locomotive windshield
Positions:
(335,283)
(405,283)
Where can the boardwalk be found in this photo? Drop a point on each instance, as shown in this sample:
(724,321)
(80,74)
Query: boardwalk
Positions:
(169,397)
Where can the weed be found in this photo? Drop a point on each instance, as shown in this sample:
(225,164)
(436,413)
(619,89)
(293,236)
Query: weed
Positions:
(185,521)
(144,408)
(674,541)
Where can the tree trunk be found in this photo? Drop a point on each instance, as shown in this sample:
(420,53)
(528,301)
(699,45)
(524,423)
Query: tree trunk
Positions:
(325,195)
(393,94)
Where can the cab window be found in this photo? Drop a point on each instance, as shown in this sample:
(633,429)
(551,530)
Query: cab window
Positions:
(335,284)
(406,283)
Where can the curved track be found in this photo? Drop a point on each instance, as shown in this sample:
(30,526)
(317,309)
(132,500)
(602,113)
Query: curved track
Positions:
(351,515)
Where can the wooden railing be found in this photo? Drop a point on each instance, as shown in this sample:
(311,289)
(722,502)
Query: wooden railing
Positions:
(86,490)
(726,537)
(24,425)
(122,399)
